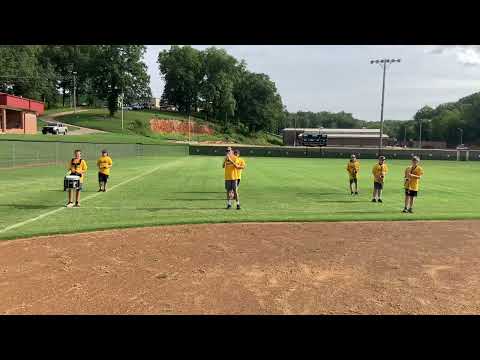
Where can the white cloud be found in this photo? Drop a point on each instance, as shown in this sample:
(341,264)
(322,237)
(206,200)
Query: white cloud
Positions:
(465,54)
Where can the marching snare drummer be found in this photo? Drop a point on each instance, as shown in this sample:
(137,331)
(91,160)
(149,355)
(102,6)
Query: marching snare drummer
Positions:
(77,167)
(104,164)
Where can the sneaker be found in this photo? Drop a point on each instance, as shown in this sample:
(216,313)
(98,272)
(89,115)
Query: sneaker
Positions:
(238,207)
(104,190)
(380,201)
(69,205)
(229,207)
(405,210)
(77,205)
(410,211)
(351,193)
(99,190)
(356,192)
(373,200)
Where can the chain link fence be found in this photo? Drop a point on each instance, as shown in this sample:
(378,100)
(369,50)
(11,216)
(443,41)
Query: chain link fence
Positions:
(19,153)
(339,152)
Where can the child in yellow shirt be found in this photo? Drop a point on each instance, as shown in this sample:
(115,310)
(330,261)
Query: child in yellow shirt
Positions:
(104,164)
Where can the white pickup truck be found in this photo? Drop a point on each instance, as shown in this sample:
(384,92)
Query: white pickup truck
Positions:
(55,129)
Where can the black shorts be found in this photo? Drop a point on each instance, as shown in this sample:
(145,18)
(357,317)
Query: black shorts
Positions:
(102,177)
(238,183)
(354,180)
(411,193)
(377,186)
(230,185)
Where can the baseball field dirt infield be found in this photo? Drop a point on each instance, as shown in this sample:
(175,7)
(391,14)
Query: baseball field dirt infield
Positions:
(255,268)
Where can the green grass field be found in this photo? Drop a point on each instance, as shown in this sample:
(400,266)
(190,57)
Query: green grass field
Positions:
(189,189)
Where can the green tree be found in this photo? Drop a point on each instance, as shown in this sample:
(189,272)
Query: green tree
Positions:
(119,69)
(221,73)
(183,72)
(258,103)
(25,74)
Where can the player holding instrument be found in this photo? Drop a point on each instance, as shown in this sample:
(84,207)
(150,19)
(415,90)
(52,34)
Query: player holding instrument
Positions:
(231,177)
(353,167)
(104,164)
(240,166)
(77,167)
(413,174)
(379,172)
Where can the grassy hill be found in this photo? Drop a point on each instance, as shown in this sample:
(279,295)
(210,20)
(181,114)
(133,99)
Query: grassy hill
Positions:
(137,124)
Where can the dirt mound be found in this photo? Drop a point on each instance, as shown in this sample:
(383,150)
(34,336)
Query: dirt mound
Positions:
(166,126)
(415,267)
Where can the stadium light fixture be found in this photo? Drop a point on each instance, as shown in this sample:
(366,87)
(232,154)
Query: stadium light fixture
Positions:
(383,64)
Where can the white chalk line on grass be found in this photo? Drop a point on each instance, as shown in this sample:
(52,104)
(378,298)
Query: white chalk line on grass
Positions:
(14,226)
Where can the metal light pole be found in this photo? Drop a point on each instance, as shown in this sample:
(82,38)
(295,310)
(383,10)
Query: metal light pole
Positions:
(74,92)
(461,136)
(405,137)
(383,64)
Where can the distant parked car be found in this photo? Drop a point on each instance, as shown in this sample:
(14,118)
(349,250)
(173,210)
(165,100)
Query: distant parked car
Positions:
(128,108)
(55,129)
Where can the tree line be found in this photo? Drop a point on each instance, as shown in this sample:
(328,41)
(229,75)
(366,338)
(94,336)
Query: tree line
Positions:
(220,87)
(102,73)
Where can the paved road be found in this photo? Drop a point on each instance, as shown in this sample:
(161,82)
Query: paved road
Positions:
(79,129)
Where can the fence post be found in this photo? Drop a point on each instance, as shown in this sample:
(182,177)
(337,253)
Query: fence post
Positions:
(458,155)
(467,155)
(56,153)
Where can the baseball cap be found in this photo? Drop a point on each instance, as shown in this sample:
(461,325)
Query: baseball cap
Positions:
(416,158)
(381,157)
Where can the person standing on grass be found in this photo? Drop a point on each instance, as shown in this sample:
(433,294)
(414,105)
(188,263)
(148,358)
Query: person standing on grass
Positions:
(240,166)
(379,172)
(104,164)
(77,167)
(413,173)
(353,167)
(230,164)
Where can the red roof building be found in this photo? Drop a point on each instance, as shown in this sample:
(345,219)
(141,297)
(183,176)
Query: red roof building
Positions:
(18,115)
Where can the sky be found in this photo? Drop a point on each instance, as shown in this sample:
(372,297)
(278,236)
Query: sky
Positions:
(341,78)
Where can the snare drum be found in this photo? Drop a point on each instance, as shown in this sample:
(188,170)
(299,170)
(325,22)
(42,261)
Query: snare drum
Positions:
(71,182)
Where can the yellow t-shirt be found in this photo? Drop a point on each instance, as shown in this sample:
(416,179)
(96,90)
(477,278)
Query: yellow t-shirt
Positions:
(104,163)
(240,162)
(406,178)
(378,171)
(353,167)
(413,183)
(230,170)
(78,167)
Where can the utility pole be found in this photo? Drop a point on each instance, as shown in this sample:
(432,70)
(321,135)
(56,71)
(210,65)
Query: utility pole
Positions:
(383,64)
(405,137)
(74,92)
(189,138)
(295,138)
(420,135)
(461,136)
(122,108)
